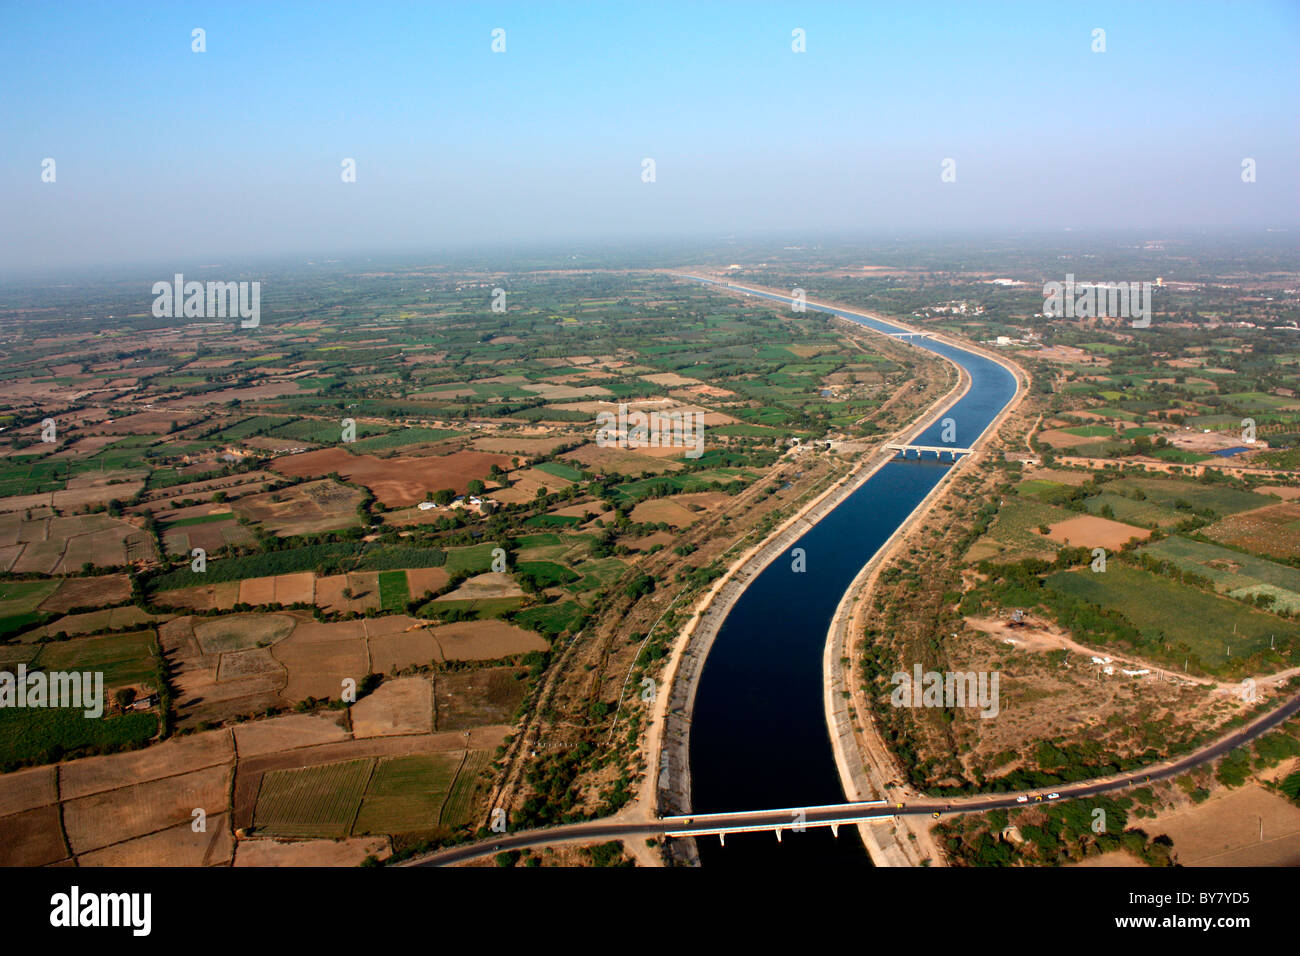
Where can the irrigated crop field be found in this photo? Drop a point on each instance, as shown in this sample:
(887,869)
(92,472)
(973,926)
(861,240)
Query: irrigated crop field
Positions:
(1210,627)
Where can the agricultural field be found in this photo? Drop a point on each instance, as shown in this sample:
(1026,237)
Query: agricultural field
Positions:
(387,795)
(1176,619)
(1272,531)
(312,802)
(1233,572)
(408,793)
(308,508)
(369,563)
(124,659)
(1017,529)
(396,481)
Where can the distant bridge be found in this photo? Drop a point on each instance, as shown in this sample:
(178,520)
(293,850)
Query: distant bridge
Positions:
(937,449)
(908,335)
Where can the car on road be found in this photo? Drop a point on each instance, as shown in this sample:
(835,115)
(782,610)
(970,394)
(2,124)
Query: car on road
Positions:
(1053,796)
(1022,799)
(900,806)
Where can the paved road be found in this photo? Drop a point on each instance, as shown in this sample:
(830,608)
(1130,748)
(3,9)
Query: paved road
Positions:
(853,813)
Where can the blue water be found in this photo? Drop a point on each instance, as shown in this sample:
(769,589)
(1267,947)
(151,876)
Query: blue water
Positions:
(759,738)
(1229,452)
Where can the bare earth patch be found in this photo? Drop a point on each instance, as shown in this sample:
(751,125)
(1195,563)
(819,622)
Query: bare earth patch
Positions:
(403,706)
(1090,531)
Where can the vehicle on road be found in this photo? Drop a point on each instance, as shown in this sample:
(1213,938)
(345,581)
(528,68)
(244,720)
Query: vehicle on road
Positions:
(1053,796)
(1022,799)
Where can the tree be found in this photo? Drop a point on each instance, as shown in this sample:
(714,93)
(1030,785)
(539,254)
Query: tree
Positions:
(476,487)
(444,497)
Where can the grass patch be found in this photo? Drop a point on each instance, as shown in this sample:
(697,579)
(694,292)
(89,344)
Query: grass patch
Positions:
(394,594)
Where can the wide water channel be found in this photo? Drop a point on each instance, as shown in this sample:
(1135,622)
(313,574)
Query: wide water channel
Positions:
(759,738)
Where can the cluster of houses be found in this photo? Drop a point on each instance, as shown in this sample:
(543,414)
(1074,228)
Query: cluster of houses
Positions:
(483,506)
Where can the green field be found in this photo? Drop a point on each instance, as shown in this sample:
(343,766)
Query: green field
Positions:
(553,521)
(597,573)
(475,559)
(312,801)
(33,735)
(566,548)
(394,594)
(479,607)
(1018,520)
(1172,492)
(400,438)
(546,573)
(407,793)
(200,519)
(459,808)
(1134,512)
(559,470)
(549,619)
(1040,488)
(328,432)
(1231,571)
(19,601)
(1166,502)
(1205,623)
(123,658)
(1180,456)
(19,597)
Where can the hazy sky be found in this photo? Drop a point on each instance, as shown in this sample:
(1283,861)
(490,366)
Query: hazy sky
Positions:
(162,153)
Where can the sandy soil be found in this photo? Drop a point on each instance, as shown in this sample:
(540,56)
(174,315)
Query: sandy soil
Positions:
(1089,531)
(403,706)
(397,482)
(1225,829)
(349,852)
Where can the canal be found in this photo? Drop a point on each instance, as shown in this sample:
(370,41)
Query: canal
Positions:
(759,738)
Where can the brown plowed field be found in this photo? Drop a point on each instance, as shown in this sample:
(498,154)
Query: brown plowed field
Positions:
(397,482)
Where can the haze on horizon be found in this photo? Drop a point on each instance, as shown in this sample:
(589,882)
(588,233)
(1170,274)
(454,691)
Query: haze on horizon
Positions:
(164,153)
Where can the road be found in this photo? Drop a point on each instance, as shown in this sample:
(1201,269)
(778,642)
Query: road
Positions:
(848,814)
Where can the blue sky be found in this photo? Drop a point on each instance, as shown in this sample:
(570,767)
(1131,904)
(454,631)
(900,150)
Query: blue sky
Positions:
(165,153)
